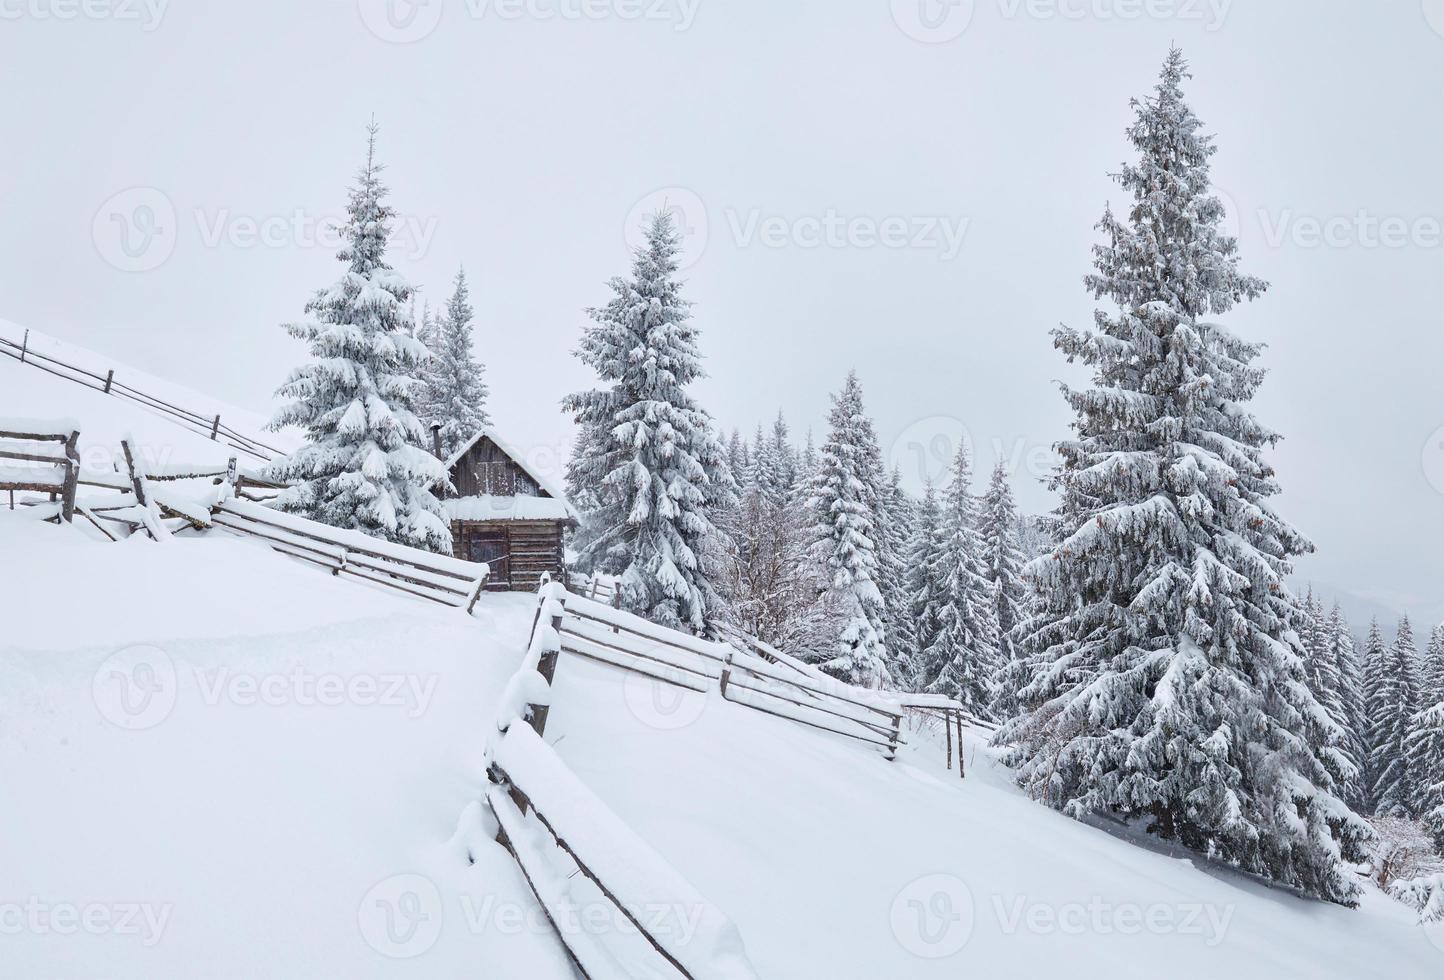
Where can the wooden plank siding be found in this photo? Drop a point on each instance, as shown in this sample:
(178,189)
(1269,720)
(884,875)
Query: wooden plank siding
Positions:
(519,551)
(485,469)
(531,548)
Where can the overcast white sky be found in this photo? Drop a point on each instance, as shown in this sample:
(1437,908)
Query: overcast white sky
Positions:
(908,188)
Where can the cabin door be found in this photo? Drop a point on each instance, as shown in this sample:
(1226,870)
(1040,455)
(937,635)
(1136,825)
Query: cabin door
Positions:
(493,546)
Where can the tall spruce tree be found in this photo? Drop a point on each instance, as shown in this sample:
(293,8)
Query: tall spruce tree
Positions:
(1004,568)
(1425,741)
(927,586)
(1341,652)
(1393,701)
(457,391)
(1171,682)
(1374,672)
(895,518)
(362,466)
(963,658)
(844,506)
(652,457)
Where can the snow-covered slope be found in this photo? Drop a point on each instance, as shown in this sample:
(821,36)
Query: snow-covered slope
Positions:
(29,392)
(269,833)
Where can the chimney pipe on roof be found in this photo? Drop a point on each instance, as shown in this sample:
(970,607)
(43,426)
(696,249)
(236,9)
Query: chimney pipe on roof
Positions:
(436,440)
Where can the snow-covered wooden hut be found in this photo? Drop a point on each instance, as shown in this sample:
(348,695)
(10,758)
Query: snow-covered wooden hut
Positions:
(505,513)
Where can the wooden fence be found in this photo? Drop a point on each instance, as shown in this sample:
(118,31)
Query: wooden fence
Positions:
(50,464)
(557,830)
(439,578)
(210,426)
(596,631)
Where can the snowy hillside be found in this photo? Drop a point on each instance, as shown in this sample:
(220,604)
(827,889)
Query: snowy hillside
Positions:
(162,439)
(219,761)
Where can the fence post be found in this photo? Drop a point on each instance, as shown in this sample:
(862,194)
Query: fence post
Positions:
(137,482)
(726,673)
(24,345)
(896,738)
(72,478)
(215,428)
(961,774)
(546,664)
(948,715)
(109,377)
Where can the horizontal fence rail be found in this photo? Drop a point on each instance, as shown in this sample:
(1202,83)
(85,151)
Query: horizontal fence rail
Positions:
(573,850)
(598,632)
(210,426)
(49,463)
(439,578)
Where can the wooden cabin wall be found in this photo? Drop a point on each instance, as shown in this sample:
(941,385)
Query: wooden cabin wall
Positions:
(485,469)
(531,547)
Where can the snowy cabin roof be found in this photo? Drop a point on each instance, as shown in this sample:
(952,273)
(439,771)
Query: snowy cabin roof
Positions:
(480,499)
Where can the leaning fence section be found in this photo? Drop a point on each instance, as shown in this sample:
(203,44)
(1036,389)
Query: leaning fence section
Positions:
(597,631)
(211,426)
(439,578)
(41,457)
(574,851)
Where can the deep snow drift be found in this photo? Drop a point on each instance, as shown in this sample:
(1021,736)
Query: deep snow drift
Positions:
(220,762)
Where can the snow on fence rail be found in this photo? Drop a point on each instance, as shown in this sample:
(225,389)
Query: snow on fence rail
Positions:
(440,578)
(572,849)
(595,631)
(210,426)
(48,458)
(949,712)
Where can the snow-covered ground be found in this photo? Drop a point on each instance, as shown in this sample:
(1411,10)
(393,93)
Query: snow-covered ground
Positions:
(219,762)
(30,392)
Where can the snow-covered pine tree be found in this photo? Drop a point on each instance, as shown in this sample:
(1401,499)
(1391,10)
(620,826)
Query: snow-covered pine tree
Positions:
(895,519)
(927,586)
(1004,567)
(1342,654)
(1426,739)
(963,659)
(1171,685)
(844,502)
(1374,673)
(653,459)
(1393,700)
(362,466)
(739,461)
(458,393)
(1324,677)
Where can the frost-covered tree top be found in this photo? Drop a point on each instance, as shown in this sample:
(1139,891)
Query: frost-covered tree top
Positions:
(844,503)
(362,466)
(652,457)
(457,390)
(1170,680)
